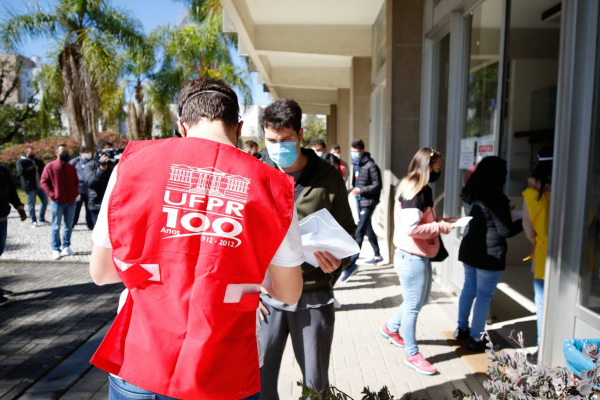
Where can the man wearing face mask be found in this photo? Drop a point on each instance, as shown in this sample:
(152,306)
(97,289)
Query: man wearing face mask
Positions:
(30,169)
(336,150)
(367,189)
(97,174)
(309,322)
(84,157)
(60,182)
(319,147)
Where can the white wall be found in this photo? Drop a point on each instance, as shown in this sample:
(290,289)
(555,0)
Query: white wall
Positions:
(527,76)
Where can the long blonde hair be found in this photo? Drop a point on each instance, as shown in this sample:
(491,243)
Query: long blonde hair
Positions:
(418,173)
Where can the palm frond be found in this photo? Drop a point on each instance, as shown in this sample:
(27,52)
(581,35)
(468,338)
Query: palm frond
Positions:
(118,23)
(101,56)
(237,78)
(15,28)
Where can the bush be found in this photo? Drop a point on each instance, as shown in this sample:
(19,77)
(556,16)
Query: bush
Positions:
(116,139)
(44,149)
(513,378)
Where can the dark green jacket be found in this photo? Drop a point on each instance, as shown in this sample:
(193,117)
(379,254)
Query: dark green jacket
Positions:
(323,188)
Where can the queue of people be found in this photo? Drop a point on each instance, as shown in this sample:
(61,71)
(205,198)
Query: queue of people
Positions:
(178,246)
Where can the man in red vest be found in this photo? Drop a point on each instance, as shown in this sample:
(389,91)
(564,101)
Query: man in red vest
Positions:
(193,227)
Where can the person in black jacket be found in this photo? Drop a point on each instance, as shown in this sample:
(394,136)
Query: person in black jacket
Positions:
(84,157)
(8,194)
(30,169)
(367,189)
(483,247)
(97,173)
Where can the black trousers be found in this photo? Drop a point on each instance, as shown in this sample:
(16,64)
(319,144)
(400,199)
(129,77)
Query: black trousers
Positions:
(365,228)
(83,200)
(311,331)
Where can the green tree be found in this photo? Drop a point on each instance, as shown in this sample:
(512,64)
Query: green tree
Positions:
(85,65)
(139,65)
(13,116)
(314,127)
(196,48)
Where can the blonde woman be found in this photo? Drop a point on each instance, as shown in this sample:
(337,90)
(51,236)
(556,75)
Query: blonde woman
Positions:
(416,237)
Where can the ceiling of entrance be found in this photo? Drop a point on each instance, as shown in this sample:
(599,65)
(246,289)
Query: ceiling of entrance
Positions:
(304,48)
(314,12)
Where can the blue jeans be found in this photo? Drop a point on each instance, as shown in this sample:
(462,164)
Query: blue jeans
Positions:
(538,288)
(62,211)
(415,280)
(123,390)
(31,194)
(365,227)
(479,286)
(3,229)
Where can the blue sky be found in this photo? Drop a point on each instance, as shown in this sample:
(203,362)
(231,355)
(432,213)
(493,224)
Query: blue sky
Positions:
(150,12)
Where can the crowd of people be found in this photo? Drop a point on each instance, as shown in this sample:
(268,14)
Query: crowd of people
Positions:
(216,280)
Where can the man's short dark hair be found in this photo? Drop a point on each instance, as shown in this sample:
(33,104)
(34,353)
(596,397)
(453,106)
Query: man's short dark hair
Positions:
(358,144)
(102,144)
(335,147)
(84,148)
(331,159)
(249,145)
(318,142)
(281,114)
(59,145)
(207,98)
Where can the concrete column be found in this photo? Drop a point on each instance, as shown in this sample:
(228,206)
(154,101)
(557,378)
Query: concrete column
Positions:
(404,38)
(343,122)
(360,99)
(331,127)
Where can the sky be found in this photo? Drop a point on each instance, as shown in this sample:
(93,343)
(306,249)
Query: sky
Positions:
(150,12)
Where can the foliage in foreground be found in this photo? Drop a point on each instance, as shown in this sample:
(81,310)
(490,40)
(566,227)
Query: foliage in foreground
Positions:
(334,393)
(512,378)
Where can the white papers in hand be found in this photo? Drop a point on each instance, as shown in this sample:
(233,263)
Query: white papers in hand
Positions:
(321,232)
(462,222)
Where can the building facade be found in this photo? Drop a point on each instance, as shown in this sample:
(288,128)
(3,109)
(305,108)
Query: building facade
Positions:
(470,78)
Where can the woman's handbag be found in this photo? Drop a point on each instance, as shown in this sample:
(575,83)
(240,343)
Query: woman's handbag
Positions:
(442,252)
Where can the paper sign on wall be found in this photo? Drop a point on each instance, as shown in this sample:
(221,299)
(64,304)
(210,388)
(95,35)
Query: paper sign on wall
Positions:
(473,150)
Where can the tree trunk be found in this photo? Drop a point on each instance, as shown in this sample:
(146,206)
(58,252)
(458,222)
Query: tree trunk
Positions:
(80,98)
(131,122)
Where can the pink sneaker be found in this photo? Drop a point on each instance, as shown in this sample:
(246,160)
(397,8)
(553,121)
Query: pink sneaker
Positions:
(394,338)
(420,364)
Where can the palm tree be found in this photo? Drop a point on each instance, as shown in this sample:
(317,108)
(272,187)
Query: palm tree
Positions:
(84,69)
(139,66)
(197,48)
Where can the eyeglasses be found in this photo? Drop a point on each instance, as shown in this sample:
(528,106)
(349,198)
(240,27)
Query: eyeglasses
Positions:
(433,151)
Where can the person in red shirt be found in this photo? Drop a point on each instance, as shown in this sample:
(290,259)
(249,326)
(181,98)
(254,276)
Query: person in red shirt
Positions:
(193,226)
(60,182)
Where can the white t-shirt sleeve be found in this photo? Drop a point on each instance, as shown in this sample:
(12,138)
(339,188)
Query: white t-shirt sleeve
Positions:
(290,252)
(100,234)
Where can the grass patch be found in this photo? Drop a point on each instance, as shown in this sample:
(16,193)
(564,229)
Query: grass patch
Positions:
(23,197)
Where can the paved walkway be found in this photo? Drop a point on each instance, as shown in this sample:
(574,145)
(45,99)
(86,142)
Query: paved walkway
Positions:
(25,243)
(57,308)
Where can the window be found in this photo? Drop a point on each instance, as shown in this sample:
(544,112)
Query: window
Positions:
(590,271)
(481,128)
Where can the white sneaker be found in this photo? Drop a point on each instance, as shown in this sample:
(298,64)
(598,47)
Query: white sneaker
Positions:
(336,304)
(34,224)
(55,254)
(67,252)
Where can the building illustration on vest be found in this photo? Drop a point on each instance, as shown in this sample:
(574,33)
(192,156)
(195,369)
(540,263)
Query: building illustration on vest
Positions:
(208,181)
(216,200)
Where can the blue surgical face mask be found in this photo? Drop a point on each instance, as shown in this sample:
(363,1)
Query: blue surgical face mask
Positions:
(282,153)
(355,155)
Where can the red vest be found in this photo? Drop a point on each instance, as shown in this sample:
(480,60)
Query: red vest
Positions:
(194,225)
